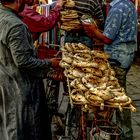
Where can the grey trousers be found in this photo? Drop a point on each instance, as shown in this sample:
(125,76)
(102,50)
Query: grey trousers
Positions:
(123,119)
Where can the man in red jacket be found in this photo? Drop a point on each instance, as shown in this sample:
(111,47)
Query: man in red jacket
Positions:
(38,23)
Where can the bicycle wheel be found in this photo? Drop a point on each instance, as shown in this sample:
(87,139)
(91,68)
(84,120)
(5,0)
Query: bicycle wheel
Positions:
(73,123)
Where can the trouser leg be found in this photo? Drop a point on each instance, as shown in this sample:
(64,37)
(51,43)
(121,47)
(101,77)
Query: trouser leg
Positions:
(124,118)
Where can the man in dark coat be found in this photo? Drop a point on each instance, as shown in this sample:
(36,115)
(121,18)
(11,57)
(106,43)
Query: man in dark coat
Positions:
(23,108)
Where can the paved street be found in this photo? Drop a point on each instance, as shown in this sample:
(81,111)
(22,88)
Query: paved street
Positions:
(133,90)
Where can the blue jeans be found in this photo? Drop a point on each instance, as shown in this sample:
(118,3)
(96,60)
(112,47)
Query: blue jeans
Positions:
(123,53)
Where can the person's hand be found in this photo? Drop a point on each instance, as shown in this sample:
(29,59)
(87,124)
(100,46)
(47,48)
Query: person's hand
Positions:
(55,62)
(60,3)
(90,29)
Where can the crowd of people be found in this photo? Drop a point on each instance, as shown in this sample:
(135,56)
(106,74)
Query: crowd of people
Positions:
(24,113)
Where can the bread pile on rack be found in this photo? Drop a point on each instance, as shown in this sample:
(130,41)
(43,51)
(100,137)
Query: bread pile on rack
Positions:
(91,79)
(69,17)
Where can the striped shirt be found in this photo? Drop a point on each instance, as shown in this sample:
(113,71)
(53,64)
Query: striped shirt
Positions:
(91,7)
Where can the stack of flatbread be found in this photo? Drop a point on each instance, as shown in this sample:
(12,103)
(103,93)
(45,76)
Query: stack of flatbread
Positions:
(92,80)
(69,17)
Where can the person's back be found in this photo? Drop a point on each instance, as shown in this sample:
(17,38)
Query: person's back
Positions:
(90,7)
(38,23)
(7,26)
(122,14)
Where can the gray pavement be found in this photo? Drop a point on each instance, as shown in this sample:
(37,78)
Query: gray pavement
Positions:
(133,90)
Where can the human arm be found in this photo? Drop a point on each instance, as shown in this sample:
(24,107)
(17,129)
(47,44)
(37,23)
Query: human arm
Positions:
(93,32)
(112,27)
(38,23)
(23,53)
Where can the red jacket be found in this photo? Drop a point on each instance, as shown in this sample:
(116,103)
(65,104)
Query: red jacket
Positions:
(39,23)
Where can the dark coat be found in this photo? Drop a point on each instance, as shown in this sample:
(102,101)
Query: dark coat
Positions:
(23,109)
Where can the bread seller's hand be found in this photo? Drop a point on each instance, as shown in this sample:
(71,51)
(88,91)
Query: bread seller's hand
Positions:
(60,2)
(55,62)
(90,29)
